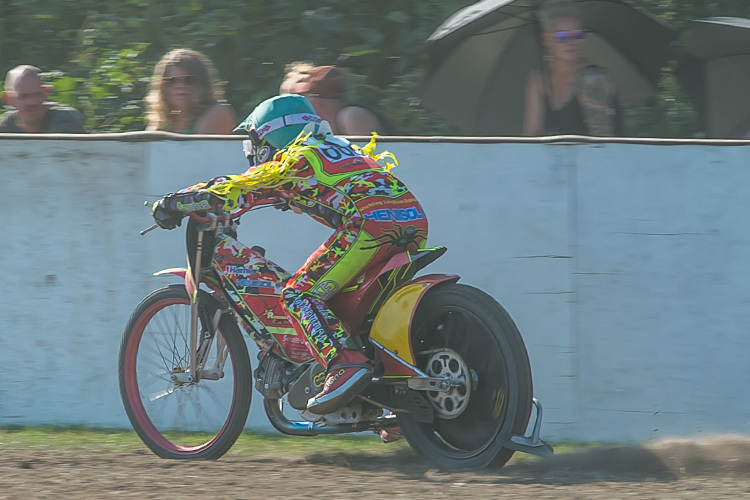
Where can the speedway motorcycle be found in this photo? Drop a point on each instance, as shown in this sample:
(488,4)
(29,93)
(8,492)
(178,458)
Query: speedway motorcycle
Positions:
(451,368)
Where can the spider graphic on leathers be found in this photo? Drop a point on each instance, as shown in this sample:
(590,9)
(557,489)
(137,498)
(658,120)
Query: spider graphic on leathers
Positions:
(398,237)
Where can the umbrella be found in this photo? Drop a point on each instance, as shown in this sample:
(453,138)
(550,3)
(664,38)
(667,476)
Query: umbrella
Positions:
(715,73)
(481,56)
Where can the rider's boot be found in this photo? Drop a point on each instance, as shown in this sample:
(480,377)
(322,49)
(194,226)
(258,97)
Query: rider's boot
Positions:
(349,373)
(391,434)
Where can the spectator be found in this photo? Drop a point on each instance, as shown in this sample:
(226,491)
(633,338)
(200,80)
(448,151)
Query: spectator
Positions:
(184,96)
(325,87)
(567,95)
(33,114)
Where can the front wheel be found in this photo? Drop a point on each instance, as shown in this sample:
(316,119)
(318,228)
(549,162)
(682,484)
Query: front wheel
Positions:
(174,414)
(462,334)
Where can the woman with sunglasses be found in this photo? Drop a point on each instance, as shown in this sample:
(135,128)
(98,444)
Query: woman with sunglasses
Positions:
(567,95)
(184,96)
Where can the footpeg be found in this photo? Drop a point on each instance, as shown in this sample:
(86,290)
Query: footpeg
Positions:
(531,444)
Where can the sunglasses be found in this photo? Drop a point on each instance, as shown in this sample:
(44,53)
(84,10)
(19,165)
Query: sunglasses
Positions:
(184,79)
(569,36)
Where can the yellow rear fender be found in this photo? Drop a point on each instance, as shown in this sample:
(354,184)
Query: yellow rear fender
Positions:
(391,330)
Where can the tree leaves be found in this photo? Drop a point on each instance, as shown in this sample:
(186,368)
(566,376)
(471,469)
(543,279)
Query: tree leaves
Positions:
(100,53)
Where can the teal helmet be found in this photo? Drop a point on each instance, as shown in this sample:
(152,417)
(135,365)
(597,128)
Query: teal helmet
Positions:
(279,120)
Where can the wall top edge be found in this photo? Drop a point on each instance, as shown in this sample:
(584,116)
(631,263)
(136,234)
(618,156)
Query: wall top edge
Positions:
(143,136)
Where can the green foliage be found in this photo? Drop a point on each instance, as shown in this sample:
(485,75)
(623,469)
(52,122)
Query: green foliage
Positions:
(99,54)
(667,114)
(680,12)
(110,87)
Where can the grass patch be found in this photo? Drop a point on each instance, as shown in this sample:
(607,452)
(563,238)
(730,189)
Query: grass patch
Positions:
(70,437)
(123,440)
(78,437)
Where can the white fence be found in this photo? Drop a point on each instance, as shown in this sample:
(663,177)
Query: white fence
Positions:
(625,266)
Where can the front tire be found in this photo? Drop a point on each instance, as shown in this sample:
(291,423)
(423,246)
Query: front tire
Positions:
(461,333)
(175,418)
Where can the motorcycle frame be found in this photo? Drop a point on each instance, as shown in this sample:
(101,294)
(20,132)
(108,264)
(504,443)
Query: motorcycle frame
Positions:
(391,311)
(390,333)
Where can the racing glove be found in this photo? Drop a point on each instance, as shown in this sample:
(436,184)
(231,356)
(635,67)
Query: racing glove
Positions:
(169,211)
(165,217)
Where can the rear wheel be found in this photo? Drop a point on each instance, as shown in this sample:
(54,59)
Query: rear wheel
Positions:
(462,334)
(175,416)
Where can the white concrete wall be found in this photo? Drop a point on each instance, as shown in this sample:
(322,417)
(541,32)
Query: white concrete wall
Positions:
(624,265)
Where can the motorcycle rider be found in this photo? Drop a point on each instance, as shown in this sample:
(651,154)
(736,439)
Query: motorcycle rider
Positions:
(302,166)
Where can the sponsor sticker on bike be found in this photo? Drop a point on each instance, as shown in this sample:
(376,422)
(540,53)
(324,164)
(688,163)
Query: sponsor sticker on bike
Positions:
(256,283)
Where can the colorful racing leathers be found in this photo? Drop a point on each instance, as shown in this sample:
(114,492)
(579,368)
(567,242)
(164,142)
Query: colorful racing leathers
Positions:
(373,214)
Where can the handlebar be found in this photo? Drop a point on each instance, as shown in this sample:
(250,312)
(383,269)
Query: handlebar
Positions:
(213,219)
(209,222)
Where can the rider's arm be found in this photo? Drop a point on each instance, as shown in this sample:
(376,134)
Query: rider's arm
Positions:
(281,195)
(195,199)
(199,198)
(169,211)
(276,197)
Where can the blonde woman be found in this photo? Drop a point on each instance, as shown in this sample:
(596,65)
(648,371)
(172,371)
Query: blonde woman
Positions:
(184,96)
(568,95)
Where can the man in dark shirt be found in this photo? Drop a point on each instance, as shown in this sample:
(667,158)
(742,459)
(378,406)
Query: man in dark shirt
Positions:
(25,91)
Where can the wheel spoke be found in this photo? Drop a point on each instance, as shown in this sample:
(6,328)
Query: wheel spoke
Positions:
(158,395)
(175,415)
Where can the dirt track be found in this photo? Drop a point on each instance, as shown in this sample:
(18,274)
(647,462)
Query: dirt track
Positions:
(710,469)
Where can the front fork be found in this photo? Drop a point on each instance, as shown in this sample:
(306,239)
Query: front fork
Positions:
(193,294)
(200,347)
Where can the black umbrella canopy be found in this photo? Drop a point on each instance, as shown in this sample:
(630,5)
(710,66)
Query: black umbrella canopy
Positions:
(715,72)
(718,37)
(482,54)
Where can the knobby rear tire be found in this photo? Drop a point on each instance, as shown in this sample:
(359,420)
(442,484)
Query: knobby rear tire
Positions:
(182,421)
(480,331)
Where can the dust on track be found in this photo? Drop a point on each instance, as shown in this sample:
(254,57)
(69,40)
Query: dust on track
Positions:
(717,467)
